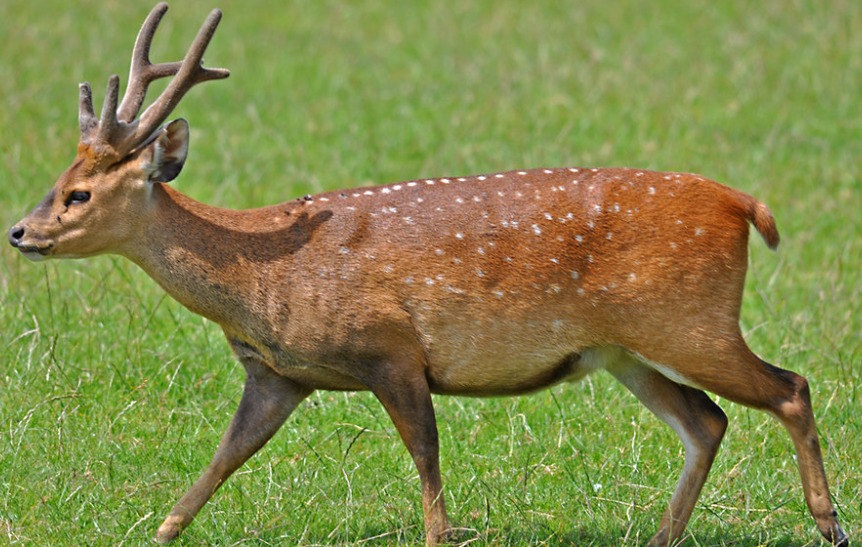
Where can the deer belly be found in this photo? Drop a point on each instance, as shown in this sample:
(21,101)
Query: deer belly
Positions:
(507,371)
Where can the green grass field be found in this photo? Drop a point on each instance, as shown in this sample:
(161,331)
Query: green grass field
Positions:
(113,397)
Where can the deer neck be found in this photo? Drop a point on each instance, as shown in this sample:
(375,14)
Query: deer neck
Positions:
(197,253)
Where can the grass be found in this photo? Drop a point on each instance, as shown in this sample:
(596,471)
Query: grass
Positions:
(113,397)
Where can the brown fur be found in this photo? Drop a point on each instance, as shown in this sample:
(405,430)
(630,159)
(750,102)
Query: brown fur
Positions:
(488,285)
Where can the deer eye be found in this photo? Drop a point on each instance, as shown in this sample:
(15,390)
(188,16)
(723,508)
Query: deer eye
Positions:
(77,197)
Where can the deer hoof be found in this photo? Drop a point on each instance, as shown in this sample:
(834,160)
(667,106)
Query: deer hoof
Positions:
(169,530)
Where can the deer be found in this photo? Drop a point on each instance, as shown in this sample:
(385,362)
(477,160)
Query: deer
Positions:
(490,285)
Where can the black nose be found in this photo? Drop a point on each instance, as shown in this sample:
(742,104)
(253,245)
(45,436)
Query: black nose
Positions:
(16,234)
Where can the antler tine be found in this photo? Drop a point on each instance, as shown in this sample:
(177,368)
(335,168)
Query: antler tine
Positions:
(108,123)
(86,115)
(141,71)
(190,73)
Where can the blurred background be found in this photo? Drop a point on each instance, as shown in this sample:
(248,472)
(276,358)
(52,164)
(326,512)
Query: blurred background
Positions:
(113,397)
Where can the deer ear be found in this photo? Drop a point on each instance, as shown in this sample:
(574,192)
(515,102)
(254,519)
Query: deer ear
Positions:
(169,151)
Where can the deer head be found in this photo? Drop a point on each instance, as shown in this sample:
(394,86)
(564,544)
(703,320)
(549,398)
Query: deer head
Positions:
(95,204)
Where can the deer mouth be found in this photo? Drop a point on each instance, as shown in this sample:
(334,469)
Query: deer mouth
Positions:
(32,248)
(35,253)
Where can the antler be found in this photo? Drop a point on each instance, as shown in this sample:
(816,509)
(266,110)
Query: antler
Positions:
(116,132)
(142,72)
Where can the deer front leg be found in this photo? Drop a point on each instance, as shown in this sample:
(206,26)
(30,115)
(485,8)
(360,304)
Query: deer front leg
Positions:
(407,400)
(267,401)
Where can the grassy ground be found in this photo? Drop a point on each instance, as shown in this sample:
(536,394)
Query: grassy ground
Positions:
(113,397)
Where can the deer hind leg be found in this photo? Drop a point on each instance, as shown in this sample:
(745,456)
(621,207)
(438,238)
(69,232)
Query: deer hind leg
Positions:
(796,414)
(407,399)
(698,421)
(267,400)
(732,371)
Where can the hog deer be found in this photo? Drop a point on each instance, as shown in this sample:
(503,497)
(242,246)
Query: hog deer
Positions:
(499,284)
